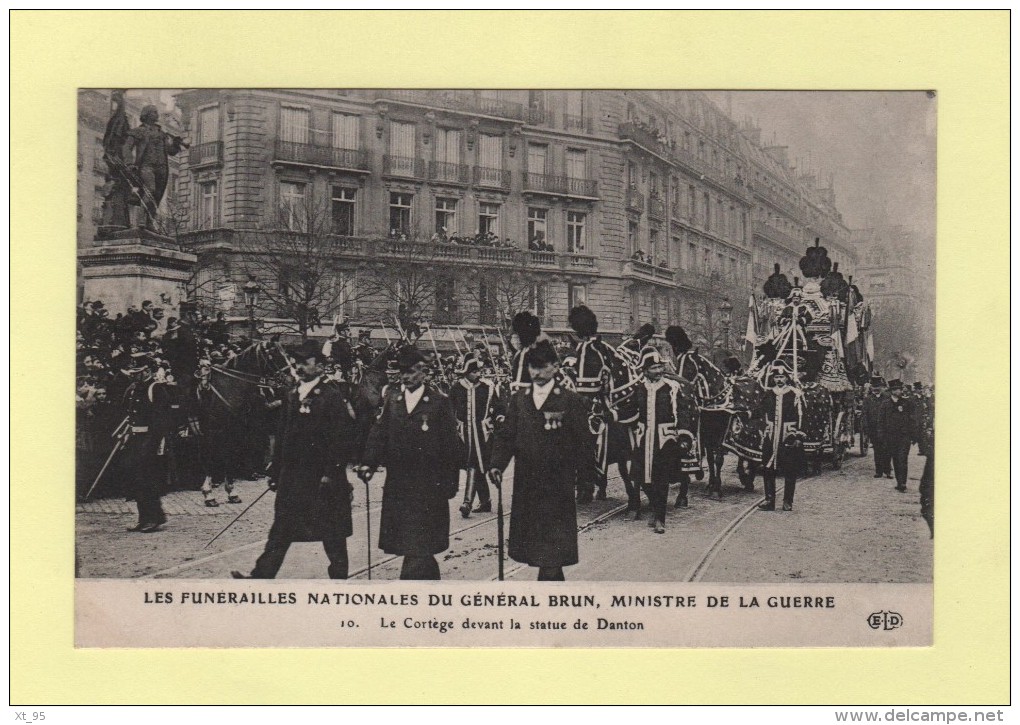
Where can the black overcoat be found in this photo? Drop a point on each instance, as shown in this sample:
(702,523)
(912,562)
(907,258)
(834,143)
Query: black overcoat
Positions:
(314,441)
(420,453)
(552,447)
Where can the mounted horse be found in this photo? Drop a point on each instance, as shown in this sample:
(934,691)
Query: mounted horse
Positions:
(236,404)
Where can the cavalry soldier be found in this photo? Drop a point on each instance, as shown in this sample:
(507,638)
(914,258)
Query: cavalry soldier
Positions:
(897,429)
(595,360)
(478,407)
(309,471)
(870,412)
(782,447)
(415,439)
(655,461)
(546,432)
(146,450)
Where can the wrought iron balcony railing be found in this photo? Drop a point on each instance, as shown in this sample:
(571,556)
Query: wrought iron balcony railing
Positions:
(579,124)
(448,172)
(635,200)
(656,208)
(403,166)
(565,185)
(325,156)
(493,178)
(202,154)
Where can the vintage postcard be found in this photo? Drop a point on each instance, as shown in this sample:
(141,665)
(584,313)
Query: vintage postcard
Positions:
(603,350)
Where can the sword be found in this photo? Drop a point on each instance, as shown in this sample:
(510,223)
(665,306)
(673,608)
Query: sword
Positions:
(499,525)
(368,523)
(469,494)
(116,447)
(237,517)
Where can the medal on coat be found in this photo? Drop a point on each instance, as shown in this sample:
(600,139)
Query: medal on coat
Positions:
(424,423)
(553,421)
(305,407)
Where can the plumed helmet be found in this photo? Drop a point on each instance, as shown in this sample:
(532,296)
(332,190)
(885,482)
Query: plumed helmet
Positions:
(678,340)
(777,286)
(777,366)
(646,331)
(816,262)
(527,326)
(583,321)
(834,285)
(731,365)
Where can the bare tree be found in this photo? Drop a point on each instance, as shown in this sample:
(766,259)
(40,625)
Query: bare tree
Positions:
(500,292)
(299,266)
(407,278)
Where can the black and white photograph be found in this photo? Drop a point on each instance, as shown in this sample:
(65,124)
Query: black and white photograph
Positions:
(527,335)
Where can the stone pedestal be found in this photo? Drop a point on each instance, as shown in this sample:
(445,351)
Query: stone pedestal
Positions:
(130,266)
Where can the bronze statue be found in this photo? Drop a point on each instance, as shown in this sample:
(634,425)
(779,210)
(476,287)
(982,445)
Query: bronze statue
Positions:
(117,191)
(147,149)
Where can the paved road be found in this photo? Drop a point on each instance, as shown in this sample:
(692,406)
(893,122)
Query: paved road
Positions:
(847,526)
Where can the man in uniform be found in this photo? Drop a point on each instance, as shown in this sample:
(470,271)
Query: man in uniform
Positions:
(782,444)
(146,449)
(896,429)
(869,413)
(478,408)
(632,347)
(656,461)
(415,439)
(546,433)
(309,472)
(527,329)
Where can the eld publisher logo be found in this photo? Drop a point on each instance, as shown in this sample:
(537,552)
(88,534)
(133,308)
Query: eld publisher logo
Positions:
(885,620)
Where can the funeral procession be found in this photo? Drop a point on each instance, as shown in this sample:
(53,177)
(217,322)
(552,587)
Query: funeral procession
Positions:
(505,335)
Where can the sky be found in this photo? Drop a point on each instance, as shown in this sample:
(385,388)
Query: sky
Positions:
(879,147)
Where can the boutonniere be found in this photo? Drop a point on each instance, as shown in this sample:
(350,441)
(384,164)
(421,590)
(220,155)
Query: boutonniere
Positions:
(553,421)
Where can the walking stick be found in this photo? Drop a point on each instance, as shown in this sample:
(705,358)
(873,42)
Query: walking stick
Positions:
(117,446)
(368,524)
(237,517)
(499,525)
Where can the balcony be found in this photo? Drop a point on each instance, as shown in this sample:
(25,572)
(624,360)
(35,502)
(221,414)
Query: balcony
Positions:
(206,154)
(491,178)
(497,254)
(541,259)
(776,236)
(326,157)
(635,201)
(577,124)
(656,208)
(584,261)
(458,100)
(448,173)
(640,134)
(646,272)
(560,186)
(537,116)
(405,167)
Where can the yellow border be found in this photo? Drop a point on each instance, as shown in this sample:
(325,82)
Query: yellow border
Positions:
(964,56)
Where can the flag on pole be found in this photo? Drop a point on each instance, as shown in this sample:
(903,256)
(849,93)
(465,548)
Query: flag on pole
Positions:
(869,346)
(851,328)
(751,335)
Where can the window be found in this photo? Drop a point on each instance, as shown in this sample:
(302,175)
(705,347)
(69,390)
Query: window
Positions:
(343,201)
(577,295)
(490,151)
(536,300)
(692,202)
(653,184)
(706,220)
(692,255)
(209,206)
(743,226)
(208,125)
(448,145)
(292,206)
(488,218)
(536,224)
(446,216)
(446,300)
(575,104)
(577,164)
(576,241)
(632,237)
(706,261)
(346,131)
(656,308)
(653,246)
(719,266)
(293,124)
(676,198)
(536,159)
(400,213)
(401,139)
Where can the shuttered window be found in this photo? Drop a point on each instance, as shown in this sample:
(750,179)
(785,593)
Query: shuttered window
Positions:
(346,131)
(294,124)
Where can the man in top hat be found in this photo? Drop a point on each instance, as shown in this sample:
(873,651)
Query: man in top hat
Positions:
(146,449)
(313,496)
(896,429)
(415,439)
(869,414)
(478,407)
(660,435)
(782,443)
(546,433)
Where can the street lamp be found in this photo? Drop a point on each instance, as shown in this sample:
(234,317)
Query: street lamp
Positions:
(726,311)
(251,298)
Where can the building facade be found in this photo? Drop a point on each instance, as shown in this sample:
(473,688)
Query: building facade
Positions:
(647,206)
